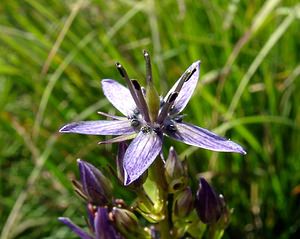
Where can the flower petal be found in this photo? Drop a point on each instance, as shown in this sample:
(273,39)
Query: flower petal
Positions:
(82,234)
(203,138)
(103,227)
(140,155)
(99,127)
(119,96)
(187,89)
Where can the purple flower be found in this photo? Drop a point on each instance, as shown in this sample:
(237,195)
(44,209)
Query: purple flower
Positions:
(101,226)
(147,125)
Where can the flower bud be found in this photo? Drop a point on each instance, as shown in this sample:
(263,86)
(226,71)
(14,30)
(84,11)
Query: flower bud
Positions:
(127,223)
(208,204)
(175,172)
(95,185)
(225,217)
(183,203)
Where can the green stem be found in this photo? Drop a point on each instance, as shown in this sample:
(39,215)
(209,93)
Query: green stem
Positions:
(157,174)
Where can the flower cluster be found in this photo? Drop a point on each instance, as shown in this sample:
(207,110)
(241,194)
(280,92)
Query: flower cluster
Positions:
(109,218)
(164,198)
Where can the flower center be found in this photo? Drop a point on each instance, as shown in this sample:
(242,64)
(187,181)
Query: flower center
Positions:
(146,129)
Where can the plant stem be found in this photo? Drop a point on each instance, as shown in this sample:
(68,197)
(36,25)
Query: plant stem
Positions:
(157,174)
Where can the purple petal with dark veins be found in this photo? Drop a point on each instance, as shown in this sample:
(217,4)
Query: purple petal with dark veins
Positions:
(82,234)
(203,138)
(187,89)
(140,154)
(103,227)
(99,127)
(119,96)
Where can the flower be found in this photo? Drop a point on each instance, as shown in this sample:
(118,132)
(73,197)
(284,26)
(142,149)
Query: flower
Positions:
(147,120)
(101,226)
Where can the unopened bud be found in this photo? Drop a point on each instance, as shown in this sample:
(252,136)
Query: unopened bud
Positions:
(225,217)
(127,223)
(95,185)
(175,172)
(183,203)
(208,204)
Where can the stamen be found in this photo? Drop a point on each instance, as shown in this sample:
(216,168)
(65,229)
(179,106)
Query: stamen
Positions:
(134,123)
(171,128)
(166,107)
(118,139)
(172,97)
(111,116)
(141,99)
(148,67)
(124,75)
(186,76)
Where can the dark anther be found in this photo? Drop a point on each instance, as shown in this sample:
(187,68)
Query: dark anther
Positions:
(172,97)
(190,74)
(136,84)
(156,130)
(134,123)
(171,128)
(121,69)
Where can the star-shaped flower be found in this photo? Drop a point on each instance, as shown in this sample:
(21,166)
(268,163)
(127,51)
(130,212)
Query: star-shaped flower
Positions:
(147,119)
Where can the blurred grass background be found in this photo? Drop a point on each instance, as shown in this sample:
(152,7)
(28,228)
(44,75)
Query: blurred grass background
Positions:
(54,53)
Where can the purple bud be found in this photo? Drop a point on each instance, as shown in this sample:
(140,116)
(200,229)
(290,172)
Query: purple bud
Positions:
(183,203)
(208,204)
(95,185)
